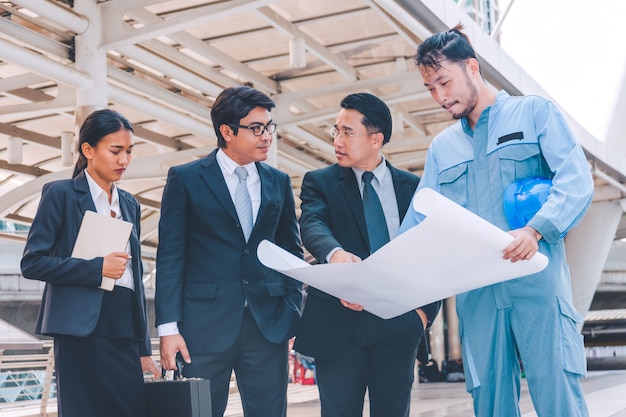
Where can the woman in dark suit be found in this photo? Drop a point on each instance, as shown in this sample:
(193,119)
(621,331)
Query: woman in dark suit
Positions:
(101,340)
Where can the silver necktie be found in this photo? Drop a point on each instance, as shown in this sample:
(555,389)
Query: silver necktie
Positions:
(243,203)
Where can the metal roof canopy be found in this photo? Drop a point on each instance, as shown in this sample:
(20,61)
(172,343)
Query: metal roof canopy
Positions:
(164,62)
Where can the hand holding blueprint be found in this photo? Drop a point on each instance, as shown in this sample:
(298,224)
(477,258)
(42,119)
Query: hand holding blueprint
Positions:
(450,252)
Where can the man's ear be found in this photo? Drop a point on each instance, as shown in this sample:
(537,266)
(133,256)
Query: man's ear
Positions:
(473,66)
(377,140)
(227,132)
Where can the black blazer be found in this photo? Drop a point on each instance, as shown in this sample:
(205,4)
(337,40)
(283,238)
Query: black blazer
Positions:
(332,216)
(71,299)
(205,267)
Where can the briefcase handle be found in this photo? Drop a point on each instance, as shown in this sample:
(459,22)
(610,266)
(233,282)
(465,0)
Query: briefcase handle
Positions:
(177,373)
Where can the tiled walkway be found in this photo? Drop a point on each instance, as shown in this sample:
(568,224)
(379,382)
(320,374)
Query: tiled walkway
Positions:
(605,392)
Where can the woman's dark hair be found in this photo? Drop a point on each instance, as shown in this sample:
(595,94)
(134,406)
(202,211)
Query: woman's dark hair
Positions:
(453,46)
(233,104)
(376,114)
(96,126)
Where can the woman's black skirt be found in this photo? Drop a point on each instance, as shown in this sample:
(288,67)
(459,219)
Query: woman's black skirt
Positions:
(100,375)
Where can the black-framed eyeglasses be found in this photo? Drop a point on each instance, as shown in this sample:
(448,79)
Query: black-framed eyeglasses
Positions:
(258,129)
(334,132)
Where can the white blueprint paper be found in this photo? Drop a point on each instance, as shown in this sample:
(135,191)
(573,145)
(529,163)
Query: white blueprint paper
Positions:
(450,252)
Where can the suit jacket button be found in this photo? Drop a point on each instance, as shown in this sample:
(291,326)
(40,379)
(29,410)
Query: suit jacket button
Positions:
(246,251)
(245,282)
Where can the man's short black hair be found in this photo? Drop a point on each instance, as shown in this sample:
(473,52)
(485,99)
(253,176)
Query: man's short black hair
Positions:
(234,104)
(376,114)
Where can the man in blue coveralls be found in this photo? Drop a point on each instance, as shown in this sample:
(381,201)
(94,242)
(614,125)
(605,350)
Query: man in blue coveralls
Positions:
(499,140)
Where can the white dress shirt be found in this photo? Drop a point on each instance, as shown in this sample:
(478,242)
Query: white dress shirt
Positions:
(112,209)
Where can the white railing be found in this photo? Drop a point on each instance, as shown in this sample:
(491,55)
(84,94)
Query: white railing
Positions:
(27,383)
(27,380)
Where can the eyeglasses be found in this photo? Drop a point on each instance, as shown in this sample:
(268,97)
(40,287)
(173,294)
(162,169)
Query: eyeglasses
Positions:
(257,129)
(334,132)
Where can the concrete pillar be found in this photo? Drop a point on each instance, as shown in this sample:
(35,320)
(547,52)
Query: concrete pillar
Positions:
(67,148)
(15,150)
(91,59)
(587,247)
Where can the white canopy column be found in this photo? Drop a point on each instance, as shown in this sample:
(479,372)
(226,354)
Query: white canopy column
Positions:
(91,59)
(587,247)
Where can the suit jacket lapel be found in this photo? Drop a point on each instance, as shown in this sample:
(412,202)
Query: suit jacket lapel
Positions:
(125,208)
(83,195)
(129,216)
(267,190)
(214,179)
(350,188)
(403,191)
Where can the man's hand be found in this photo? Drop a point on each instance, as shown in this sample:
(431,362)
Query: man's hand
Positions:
(524,246)
(169,347)
(351,306)
(149,365)
(423,316)
(342,256)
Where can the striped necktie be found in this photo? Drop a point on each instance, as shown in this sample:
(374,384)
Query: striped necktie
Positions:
(243,203)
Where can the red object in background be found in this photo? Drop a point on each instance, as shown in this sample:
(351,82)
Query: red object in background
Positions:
(301,373)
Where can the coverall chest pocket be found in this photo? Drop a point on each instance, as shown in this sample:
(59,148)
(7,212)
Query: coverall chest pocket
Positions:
(522,161)
(453,183)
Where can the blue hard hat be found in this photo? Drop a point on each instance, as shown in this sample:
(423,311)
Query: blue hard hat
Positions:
(524,198)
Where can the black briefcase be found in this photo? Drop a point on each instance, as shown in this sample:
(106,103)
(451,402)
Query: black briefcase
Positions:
(178,398)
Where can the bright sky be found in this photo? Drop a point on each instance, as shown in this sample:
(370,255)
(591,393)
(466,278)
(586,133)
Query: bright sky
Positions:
(576,50)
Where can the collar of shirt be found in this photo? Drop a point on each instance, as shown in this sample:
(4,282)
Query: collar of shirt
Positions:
(501,97)
(100,199)
(379,173)
(228,165)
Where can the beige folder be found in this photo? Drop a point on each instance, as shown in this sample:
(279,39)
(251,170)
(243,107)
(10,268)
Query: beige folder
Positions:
(100,235)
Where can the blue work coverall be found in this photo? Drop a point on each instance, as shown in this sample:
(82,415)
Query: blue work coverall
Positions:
(518,138)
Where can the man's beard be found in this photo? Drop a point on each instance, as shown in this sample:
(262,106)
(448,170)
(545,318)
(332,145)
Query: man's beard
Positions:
(472,99)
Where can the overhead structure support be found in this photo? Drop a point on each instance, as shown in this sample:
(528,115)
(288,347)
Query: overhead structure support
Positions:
(161,112)
(43,66)
(213,54)
(56,13)
(118,34)
(28,191)
(323,53)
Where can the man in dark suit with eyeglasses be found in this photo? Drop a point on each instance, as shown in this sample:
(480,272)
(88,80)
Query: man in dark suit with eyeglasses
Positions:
(349,210)
(217,306)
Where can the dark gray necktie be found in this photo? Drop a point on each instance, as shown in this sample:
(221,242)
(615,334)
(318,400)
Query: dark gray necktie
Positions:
(243,203)
(374,216)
